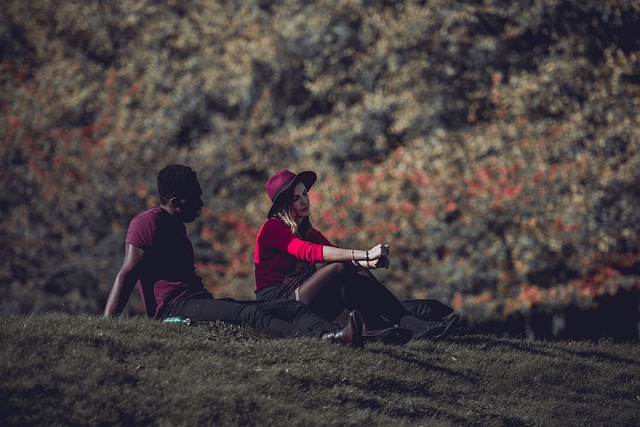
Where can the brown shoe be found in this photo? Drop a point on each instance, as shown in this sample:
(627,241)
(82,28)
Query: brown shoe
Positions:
(350,334)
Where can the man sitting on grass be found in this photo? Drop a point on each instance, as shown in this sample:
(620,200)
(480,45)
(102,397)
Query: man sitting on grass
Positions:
(159,257)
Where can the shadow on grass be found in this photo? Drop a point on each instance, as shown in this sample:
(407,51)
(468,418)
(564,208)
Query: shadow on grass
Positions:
(540,348)
(420,362)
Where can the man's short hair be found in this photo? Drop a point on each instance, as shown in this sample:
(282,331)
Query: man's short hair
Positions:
(176,181)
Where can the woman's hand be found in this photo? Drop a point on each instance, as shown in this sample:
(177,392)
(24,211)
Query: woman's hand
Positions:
(378,251)
(379,256)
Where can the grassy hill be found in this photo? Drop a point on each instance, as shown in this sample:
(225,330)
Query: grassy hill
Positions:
(58,369)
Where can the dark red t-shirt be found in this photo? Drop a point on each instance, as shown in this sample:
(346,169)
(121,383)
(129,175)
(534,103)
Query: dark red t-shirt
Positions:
(168,270)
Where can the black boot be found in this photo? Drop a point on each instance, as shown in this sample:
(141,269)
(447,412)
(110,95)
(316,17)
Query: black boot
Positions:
(394,335)
(425,329)
(350,334)
(443,328)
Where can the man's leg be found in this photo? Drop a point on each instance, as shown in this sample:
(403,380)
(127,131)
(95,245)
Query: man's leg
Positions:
(249,313)
(298,313)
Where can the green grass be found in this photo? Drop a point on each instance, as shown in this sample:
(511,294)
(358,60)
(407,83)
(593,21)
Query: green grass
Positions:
(58,369)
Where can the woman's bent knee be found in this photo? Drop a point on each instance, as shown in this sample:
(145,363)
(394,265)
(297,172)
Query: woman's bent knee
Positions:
(336,268)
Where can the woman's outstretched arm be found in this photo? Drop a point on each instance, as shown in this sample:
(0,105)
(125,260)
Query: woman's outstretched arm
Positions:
(377,256)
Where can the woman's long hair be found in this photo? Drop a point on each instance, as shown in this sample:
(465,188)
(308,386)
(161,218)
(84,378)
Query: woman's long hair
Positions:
(284,212)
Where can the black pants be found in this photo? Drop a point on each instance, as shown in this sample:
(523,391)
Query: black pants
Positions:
(279,317)
(345,288)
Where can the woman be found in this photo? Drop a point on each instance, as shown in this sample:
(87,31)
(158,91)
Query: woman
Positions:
(288,247)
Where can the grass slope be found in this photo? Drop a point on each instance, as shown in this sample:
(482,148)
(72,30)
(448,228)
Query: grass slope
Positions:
(58,369)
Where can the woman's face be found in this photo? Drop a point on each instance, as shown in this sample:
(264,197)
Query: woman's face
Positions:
(301,208)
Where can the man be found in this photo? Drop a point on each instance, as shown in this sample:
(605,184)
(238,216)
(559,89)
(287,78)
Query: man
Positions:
(159,258)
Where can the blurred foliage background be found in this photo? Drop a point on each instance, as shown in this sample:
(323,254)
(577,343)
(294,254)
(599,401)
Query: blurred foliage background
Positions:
(493,144)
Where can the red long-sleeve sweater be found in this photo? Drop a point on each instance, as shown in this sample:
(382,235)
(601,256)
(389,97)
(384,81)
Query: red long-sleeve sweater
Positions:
(277,250)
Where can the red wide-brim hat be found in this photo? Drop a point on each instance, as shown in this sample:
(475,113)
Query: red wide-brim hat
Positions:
(279,183)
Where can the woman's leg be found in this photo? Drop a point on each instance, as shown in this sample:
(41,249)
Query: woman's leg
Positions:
(336,287)
(322,291)
(363,292)
(368,295)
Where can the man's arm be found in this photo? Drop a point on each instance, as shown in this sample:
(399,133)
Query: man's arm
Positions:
(125,280)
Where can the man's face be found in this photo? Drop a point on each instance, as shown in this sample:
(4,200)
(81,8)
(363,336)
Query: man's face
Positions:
(189,206)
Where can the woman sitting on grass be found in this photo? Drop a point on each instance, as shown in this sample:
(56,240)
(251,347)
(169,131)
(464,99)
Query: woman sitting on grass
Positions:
(288,247)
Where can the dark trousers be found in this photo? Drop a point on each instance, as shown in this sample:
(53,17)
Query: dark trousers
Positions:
(279,317)
(338,287)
